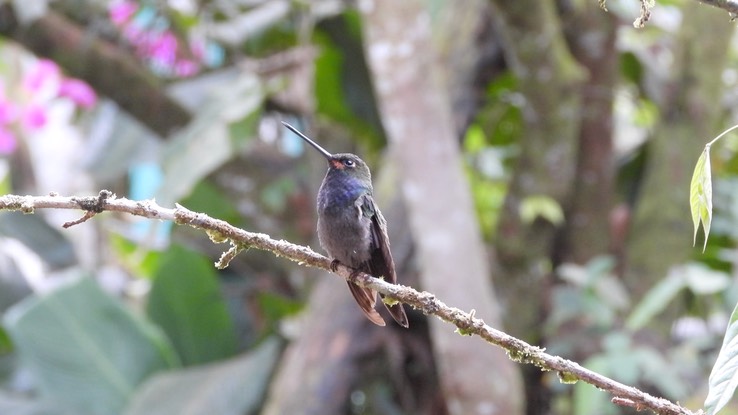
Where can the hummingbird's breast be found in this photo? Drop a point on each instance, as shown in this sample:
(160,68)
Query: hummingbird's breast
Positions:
(343,230)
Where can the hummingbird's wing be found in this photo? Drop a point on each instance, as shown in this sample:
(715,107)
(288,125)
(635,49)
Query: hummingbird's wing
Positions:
(380,262)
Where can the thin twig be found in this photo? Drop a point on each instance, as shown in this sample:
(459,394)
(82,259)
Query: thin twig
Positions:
(466,323)
(730,6)
(88,215)
(646,6)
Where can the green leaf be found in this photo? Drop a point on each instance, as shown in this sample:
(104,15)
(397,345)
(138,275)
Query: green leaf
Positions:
(630,67)
(232,387)
(329,92)
(586,398)
(489,196)
(209,199)
(242,131)
(724,376)
(656,299)
(276,307)
(703,280)
(136,258)
(21,405)
(663,371)
(17,404)
(342,85)
(275,194)
(84,348)
(542,206)
(36,234)
(646,114)
(186,302)
(700,195)
(205,143)
(475,140)
(502,118)
(5,345)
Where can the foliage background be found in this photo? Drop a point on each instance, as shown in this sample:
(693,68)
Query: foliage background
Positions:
(532,159)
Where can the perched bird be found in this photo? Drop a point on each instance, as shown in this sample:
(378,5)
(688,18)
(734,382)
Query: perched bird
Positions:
(352,229)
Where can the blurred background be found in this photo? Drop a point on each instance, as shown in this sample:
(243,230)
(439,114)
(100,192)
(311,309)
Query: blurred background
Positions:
(532,158)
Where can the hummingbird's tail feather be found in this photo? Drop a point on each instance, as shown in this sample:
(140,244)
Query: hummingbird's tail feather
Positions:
(397,311)
(366,299)
(380,263)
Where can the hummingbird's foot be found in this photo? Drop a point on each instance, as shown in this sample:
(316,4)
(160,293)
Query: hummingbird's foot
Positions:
(334,265)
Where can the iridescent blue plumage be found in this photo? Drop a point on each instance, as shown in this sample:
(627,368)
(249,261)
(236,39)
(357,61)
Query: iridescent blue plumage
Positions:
(340,192)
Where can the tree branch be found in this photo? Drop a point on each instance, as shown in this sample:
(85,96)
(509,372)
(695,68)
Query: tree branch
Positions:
(466,322)
(730,6)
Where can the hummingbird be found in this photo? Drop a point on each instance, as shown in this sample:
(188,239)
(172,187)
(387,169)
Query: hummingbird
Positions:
(352,230)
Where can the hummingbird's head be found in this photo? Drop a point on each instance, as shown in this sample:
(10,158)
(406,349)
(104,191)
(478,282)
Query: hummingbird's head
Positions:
(349,164)
(342,164)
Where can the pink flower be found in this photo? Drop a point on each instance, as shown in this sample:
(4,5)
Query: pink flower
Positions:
(134,34)
(8,112)
(34,117)
(120,11)
(163,48)
(8,142)
(79,92)
(185,67)
(44,71)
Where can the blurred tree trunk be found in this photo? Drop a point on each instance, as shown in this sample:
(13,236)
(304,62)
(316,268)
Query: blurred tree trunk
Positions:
(321,365)
(450,253)
(320,368)
(550,80)
(661,233)
(470,54)
(591,34)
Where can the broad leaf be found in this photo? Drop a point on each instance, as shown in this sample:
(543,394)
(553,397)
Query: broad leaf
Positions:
(206,143)
(138,259)
(586,398)
(232,387)
(12,404)
(724,376)
(121,141)
(703,280)
(84,348)
(656,299)
(342,92)
(700,195)
(209,199)
(38,236)
(187,304)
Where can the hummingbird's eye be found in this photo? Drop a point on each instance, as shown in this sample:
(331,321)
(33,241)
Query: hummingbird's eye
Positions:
(348,163)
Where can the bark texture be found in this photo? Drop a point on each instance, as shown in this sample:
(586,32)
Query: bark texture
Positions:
(550,80)
(549,76)
(319,369)
(591,34)
(449,249)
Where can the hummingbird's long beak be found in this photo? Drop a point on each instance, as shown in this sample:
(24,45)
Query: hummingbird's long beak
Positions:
(315,145)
